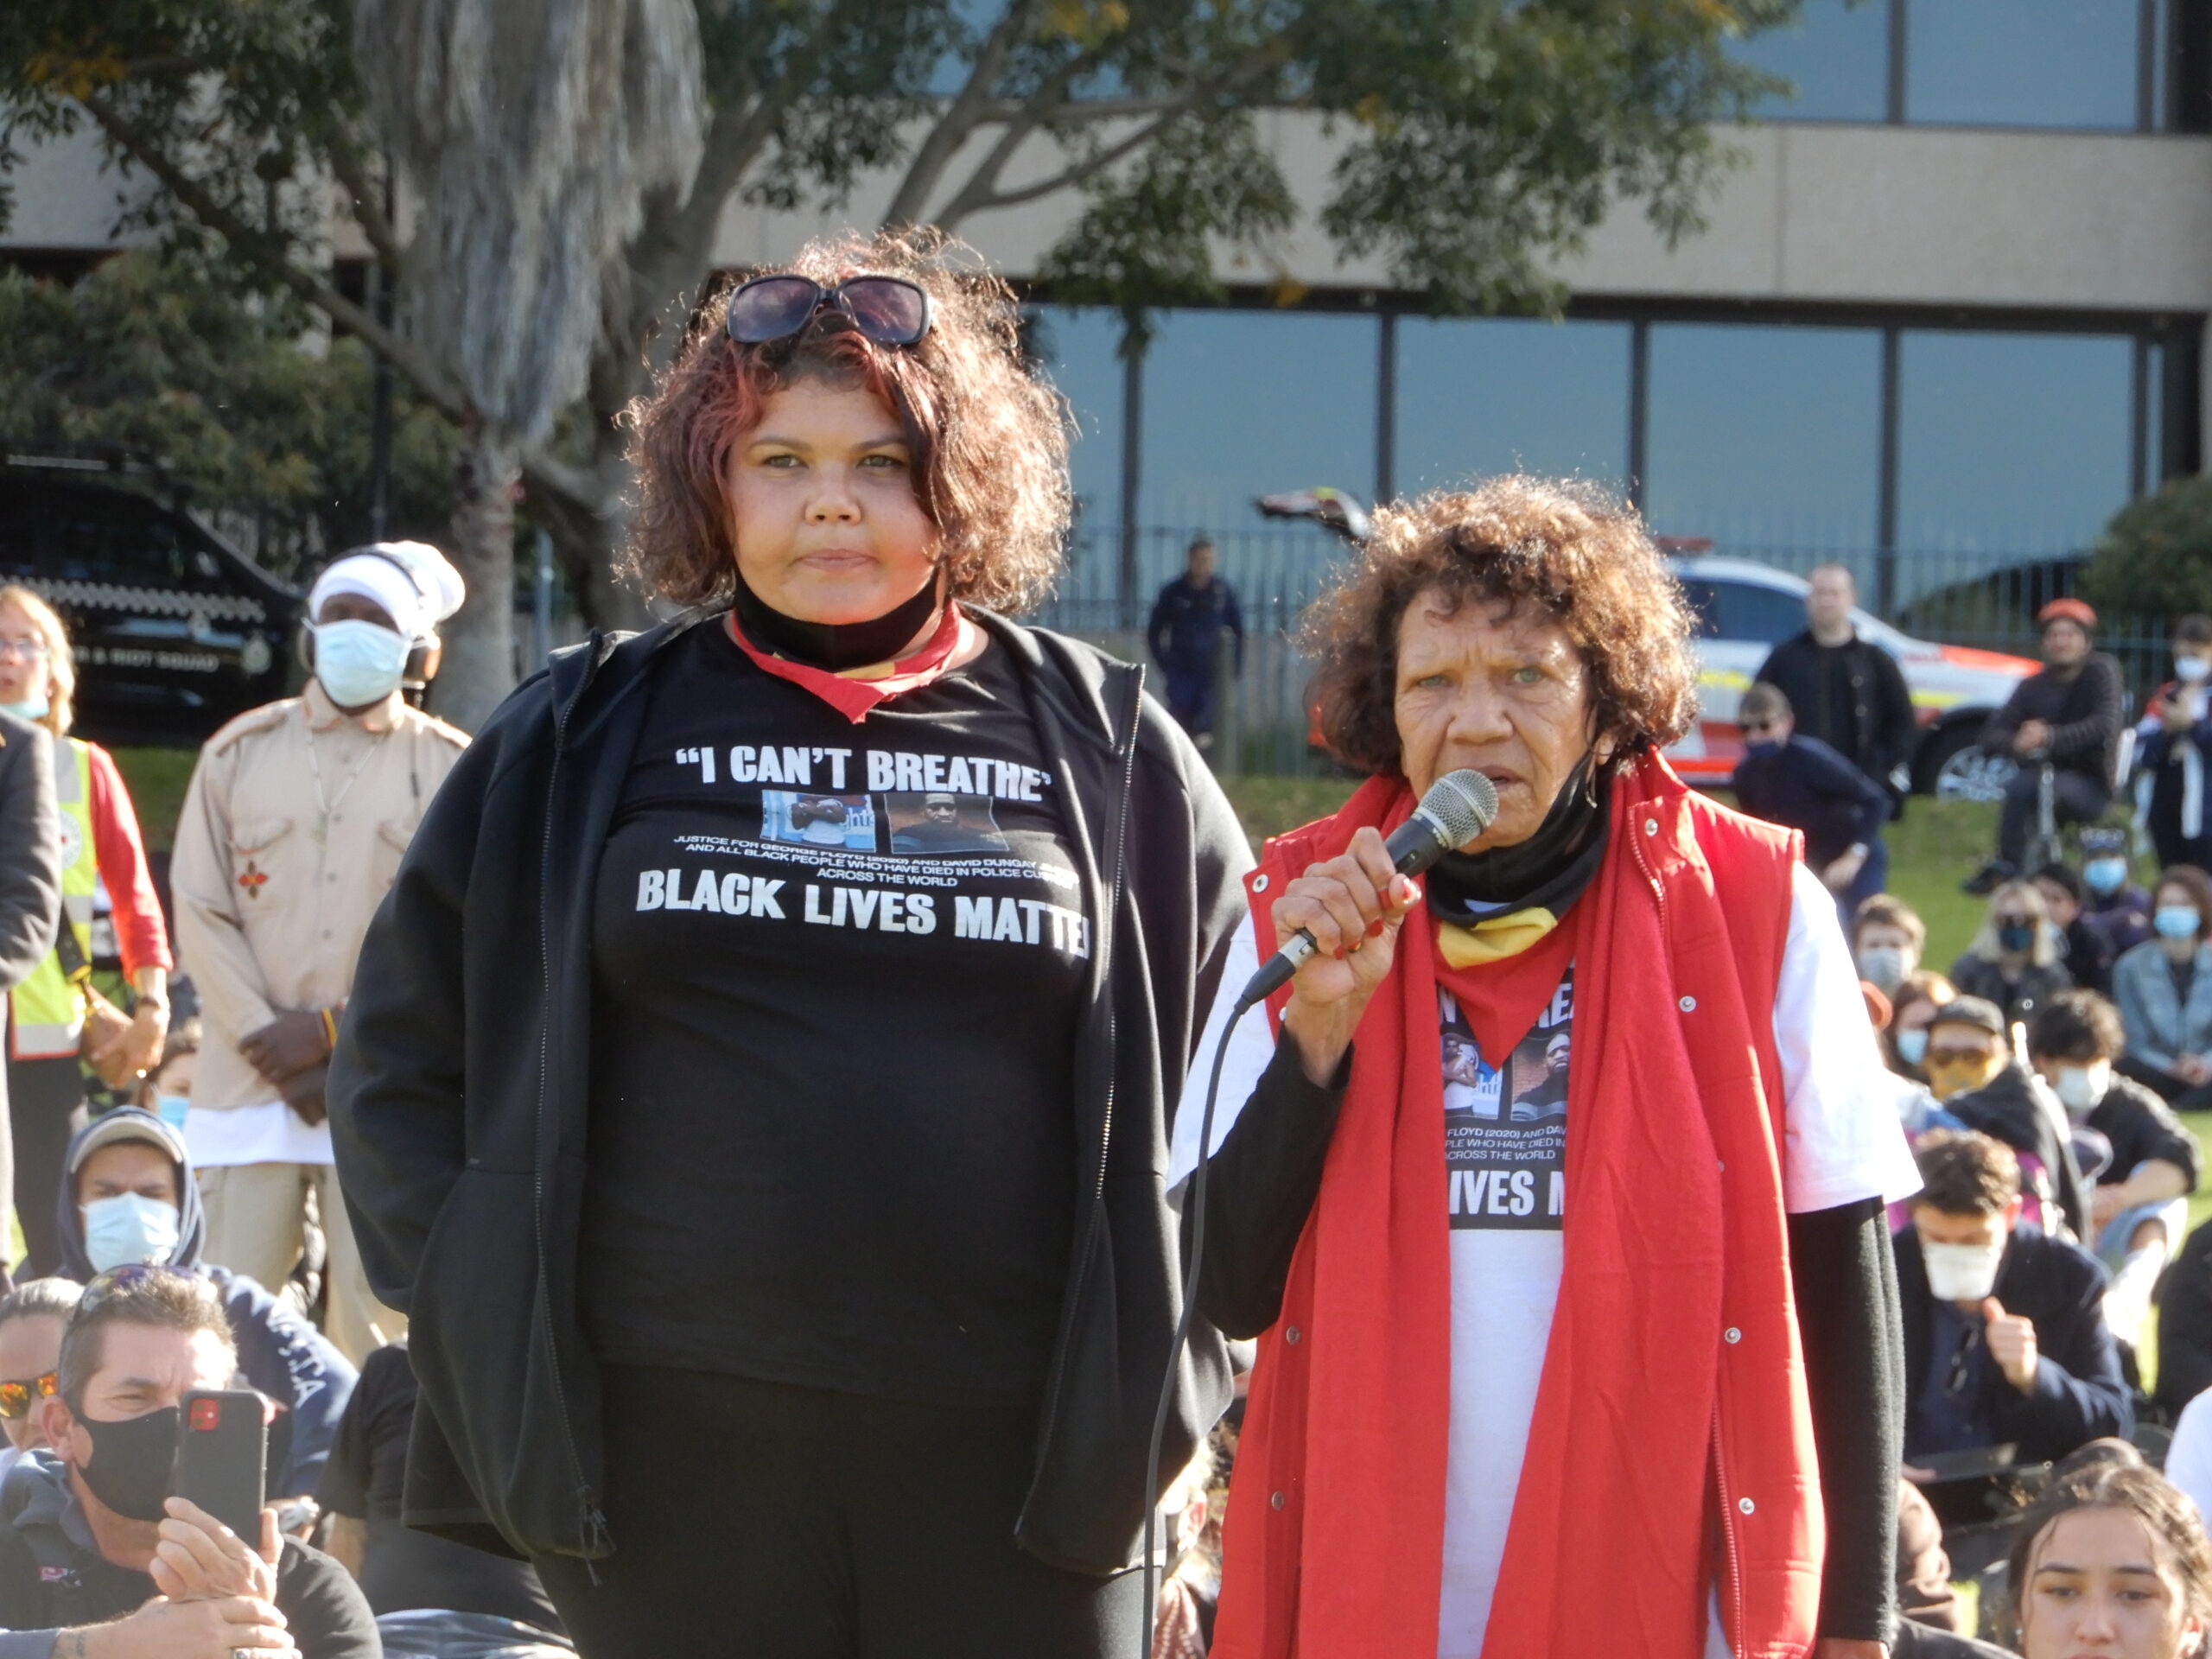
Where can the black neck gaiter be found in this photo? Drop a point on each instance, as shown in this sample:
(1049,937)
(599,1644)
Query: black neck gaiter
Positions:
(836,646)
(1549,871)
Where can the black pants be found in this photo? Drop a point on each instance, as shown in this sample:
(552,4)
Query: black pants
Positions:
(2074,799)
(42,1094)
(758,1520)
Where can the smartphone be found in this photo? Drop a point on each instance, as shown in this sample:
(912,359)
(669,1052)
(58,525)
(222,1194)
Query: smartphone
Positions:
(222,1458)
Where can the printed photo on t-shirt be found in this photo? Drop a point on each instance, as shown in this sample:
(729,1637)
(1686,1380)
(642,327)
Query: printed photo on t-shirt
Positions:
(938,821)
(1505,1126)
(805,819)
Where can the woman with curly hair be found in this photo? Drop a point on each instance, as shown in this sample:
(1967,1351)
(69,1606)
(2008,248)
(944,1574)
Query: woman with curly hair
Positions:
(1587,1353)
(756,1087)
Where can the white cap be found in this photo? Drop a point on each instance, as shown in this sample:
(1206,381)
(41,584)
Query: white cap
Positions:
(415,584)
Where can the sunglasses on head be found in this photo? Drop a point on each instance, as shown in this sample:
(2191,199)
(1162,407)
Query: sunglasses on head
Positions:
(17,1398)
(104,1284)
(888,310)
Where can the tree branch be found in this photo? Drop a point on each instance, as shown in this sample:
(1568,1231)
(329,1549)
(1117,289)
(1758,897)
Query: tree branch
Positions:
(1028,117)
(959,119)
(368,212)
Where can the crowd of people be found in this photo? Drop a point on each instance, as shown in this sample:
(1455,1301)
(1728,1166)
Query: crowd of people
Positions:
(491,1110)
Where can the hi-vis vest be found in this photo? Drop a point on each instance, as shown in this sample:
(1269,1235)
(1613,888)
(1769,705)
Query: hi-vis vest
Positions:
(50,1014)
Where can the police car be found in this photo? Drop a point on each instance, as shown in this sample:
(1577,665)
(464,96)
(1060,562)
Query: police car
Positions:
(176,631)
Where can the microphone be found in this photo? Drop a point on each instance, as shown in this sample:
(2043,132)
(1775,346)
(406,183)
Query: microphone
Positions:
(1459,807)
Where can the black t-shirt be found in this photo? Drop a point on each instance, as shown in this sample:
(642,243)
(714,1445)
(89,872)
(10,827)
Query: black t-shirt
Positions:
(324,1611)
(2140,1126)
(402,1569)
(837,972)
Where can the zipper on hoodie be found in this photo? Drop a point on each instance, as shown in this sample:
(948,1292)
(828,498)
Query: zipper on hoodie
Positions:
(1128,749)
(596,1540)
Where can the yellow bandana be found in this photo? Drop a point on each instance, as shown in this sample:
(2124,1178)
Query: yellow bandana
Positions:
(1494,939)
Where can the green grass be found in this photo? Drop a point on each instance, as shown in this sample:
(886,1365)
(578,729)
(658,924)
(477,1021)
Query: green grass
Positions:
(157,780)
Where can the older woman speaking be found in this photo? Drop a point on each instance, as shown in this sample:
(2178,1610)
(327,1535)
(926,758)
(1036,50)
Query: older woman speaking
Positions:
(1592,1348)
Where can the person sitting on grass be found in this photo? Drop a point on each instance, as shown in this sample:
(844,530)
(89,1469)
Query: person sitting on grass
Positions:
(2164,987)
(1887,938)
(2088,950)
(1912,1007)
(2017,959)
(98,1560)
(1801,783)
(32,1319)
(1973,1070)
(2004,1335)
(2115,905)
(2111,1560)
(2137,1210)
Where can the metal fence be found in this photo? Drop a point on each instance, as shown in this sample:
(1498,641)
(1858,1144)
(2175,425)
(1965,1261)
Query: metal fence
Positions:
(1968,597)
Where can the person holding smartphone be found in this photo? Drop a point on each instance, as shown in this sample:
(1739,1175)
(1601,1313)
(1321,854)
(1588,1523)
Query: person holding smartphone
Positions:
(99,1558)
(781,1217)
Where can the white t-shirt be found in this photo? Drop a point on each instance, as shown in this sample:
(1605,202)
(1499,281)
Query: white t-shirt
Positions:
(2189,1459)
(1505,1126)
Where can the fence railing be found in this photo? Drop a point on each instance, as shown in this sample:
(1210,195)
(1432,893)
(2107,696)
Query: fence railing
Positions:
(1973,597)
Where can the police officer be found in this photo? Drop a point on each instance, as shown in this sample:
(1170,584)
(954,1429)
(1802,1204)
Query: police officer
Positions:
(292,830)
(1186,625)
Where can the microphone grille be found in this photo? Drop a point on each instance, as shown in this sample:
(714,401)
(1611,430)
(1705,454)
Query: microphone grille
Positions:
(1463,804)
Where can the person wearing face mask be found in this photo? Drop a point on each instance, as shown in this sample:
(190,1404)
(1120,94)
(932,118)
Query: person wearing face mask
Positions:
(2164,987)
(1973,1070)
(293,828)
(2138,1212)
(166,1090)
(2174,744)
(100,846)
(2113,903)
(1887,937)
(127,1195)
(2004,1335)
(2018,960)
(2088,949)
(32,1319)
(1904,1040)
(98,1560)
(1801,783)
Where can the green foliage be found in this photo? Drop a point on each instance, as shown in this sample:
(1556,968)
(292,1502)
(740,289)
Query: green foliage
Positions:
(261,418)
(2155,558)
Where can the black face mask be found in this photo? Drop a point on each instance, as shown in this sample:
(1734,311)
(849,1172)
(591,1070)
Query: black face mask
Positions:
(134,1461)
(836,646)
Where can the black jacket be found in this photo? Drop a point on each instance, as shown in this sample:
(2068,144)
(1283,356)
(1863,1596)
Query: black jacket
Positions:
(2083,709)
(1805,785)
(459,1097)
(1878,733)
(2006,1109)
(2080,1393)
(2140,1126)
(2185,1325)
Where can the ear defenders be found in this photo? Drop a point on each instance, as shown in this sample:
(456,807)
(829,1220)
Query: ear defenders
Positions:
(424,656)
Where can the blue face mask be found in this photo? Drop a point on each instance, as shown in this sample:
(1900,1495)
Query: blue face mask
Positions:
(2176,921)
(1912,1046)
(2016,935)
(2105,875)
(358,663)
(129,1227)
(28,709)
(171,1109)
(1763,748)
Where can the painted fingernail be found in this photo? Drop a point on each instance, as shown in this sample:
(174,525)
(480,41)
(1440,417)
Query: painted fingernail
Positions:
(1340,953)
(1375,928)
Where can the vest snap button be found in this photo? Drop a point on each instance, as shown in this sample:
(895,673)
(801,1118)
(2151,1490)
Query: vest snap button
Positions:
(1259,884)
(1743,1503)
(1687,1005)
(1276,1501)
(1732,1334)
(1290,1335)
(1651,826)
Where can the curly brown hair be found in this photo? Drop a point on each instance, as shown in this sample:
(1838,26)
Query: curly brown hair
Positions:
(990,442)
(1578,555)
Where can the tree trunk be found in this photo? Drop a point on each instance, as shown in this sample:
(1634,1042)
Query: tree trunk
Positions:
(480,659)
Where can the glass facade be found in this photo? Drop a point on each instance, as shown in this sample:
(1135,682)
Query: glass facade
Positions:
(2024,63)
(1487,394)
(1836,57)
(1763,437)
(1077,349)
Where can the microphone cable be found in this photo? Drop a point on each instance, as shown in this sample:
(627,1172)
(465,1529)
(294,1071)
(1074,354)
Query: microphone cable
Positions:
(1197,1207)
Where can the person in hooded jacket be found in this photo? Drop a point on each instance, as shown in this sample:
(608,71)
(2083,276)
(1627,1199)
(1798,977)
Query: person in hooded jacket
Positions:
(1972,1070)
(2173,741)
(127,1195)
(2017,959)
(2114,905)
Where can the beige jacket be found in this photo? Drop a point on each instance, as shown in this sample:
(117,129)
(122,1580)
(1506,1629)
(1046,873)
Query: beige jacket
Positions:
(271,899)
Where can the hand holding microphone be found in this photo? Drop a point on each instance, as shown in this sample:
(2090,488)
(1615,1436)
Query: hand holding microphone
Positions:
(1337,923)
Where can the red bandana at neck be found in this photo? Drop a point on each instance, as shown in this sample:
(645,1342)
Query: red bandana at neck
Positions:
(854,698)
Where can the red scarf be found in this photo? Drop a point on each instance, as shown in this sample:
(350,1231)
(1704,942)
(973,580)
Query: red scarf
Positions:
(1673,1389)
(854,698)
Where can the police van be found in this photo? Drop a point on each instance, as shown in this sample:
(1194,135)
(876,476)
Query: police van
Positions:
(176,631)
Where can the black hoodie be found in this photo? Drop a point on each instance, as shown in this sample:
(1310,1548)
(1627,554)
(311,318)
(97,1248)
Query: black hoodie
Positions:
(459,1099)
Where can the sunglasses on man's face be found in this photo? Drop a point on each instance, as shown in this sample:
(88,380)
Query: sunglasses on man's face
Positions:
(889,311)
(1755,727)
(18,1398)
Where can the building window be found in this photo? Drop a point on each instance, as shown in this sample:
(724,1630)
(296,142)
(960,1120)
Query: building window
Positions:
(1483,396)
(1836,57)
(1077,350)
(1767,439)
(2027,63)
(1239,404)
(2011,448)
